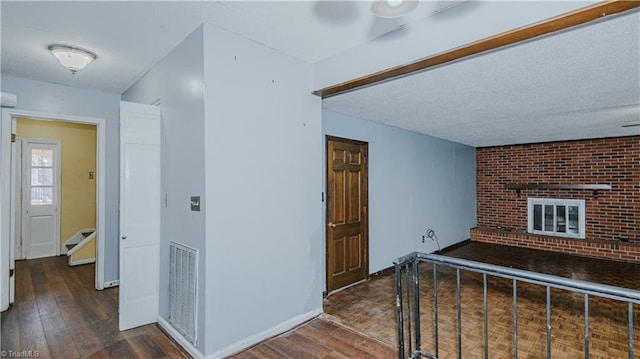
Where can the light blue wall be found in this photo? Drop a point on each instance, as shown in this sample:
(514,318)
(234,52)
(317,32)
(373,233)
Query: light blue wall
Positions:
(251,147)
(38,96)
(415,182)
(263,183)
(177,81)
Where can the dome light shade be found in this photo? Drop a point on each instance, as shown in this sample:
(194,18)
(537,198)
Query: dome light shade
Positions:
(73,58)
(390,9)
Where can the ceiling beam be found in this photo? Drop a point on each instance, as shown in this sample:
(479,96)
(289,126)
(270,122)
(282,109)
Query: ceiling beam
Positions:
(511,37)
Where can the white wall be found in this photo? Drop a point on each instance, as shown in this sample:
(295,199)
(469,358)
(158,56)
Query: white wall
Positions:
(415,182)
(263,184)
(177,81)
(38,96)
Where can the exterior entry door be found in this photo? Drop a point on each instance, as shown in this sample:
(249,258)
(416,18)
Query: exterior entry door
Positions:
(41,197)
(347,217)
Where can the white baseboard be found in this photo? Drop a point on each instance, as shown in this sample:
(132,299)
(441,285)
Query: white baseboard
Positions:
(272,332)
(184,343)
(81,261)
(112,283)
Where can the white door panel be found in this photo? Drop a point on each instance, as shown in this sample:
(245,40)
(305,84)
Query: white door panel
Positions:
(139,214)
(40,199)
(141,217)
(42,239)
(142,290)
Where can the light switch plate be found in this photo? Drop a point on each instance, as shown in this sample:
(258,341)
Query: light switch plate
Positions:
(195,203)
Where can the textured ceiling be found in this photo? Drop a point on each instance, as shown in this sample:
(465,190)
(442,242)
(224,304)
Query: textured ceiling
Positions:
(581,83)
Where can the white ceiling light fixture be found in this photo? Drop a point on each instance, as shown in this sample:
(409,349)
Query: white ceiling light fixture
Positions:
(73,58)
(389,9)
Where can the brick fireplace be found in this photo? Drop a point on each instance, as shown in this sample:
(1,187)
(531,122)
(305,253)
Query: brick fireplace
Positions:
(573,169)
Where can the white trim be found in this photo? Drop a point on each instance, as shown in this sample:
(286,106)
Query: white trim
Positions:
(81,262)
(269,333)
(111,283)
(240,345)
(16,215)
(18,250)
(182,341)
(81,244)
(77,235)
(5,191)
(5,207)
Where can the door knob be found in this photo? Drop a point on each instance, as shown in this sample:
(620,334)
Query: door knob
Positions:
(124,237)
(331,225)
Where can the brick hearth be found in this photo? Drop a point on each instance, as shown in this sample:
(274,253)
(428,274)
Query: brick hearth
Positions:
(616,250)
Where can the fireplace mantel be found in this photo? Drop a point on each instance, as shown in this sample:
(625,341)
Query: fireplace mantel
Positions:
(593,187)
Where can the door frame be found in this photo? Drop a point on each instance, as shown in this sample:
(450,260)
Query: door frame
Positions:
(24,185)
(7,128)
(16,215)
(365,216)
(16,185)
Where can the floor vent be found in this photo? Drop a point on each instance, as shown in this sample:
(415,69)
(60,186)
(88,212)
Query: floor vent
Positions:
(183,280)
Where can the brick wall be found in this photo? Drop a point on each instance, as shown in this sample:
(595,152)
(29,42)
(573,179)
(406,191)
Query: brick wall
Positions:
(615,161)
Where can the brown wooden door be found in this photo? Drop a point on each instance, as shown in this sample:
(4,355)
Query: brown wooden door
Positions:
(347,224)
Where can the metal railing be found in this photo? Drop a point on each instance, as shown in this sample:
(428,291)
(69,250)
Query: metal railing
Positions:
(408,302)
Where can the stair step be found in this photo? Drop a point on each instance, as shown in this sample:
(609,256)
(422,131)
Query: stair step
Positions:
(84,235)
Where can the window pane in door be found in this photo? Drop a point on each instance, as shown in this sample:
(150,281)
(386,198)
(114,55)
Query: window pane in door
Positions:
(573,220)
(561,221)
(548,218)
(537,217)
(42,176)
(41,195)
(41,157)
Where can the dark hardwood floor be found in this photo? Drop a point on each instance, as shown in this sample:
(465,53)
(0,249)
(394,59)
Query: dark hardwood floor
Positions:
(319,338)
(617,273)
(59,314)
(369,307)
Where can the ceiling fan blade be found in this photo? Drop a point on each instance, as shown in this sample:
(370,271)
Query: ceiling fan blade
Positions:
(440,6)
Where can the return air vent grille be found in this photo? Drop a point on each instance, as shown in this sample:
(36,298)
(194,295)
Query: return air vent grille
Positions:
(183,280)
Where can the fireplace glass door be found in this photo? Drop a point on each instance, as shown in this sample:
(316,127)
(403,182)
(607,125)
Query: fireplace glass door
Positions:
(556,217)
